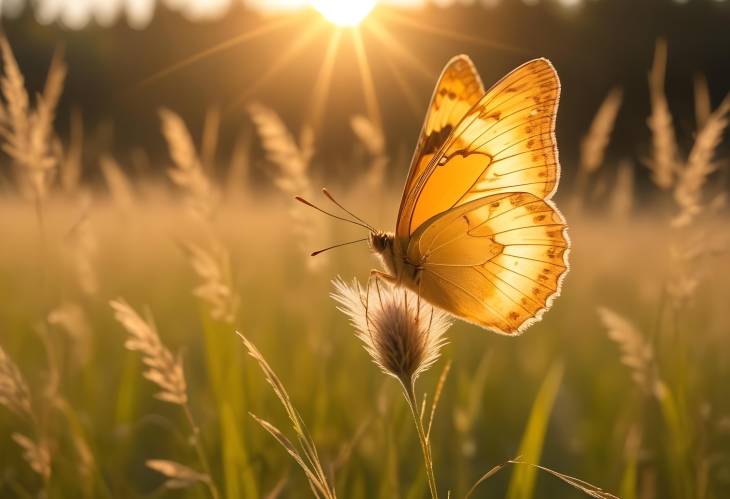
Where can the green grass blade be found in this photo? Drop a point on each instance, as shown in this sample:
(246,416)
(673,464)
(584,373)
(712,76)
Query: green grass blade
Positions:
(522,482)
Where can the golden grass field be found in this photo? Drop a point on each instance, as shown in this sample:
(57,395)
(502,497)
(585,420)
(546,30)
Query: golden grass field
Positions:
(623,384)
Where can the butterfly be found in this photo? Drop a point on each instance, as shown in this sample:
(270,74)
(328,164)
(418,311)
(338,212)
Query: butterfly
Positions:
(477,234)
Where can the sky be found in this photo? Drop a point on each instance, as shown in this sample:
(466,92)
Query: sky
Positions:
(76,14)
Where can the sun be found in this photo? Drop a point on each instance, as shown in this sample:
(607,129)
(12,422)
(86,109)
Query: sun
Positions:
(346,13)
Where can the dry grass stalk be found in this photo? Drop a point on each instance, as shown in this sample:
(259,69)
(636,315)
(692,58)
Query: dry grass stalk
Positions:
(588,489)
(305,453)
(209,142)
(72,320)
(240,164)
(71,163)
(178,475)
(291,158)
(15,396)
(402,334)
(593,145)
(665,156)
(84,247)
(703,107)
(688,192)
(28,132)
(188,172)
(117,182)
(622,195)
(14,392)
(36,454)
(636,352)
(215,288)
(164,369)
(373,139)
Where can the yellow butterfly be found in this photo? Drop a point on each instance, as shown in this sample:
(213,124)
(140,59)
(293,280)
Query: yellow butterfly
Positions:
(477,234)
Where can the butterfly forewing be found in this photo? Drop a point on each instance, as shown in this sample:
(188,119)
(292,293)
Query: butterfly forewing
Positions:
(497,261)
(458,89)
(504,143)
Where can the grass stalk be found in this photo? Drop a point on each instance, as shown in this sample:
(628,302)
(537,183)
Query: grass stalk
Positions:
(409,393)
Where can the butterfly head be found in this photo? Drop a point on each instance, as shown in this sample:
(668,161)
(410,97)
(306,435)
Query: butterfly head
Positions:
(383,245)
(380,242)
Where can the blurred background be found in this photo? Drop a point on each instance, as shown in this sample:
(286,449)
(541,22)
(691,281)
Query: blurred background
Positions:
(150,154)
(128,58)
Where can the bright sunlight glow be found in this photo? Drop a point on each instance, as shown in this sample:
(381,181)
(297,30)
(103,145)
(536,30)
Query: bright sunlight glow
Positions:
(344,12)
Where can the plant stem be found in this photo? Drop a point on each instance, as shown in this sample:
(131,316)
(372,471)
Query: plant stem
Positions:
(201,453)
(409,392)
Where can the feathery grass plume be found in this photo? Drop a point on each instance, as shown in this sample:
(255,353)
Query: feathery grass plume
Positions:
(215,288)
(163,368)
(703,107)
(36,454)
(14,392)
(188,172)
(404,336)
(72,320)
(292,160)
(636,352)
(622,195)
(304,452)
(117,182)
(594,143)
(178,475)
(373,139)
(84,248)
(692,178)
(28,132)
(665,157)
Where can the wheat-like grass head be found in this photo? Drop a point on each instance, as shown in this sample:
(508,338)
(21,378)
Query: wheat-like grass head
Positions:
(402,334)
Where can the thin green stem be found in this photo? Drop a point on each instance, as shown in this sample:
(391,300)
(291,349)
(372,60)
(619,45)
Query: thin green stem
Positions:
(409,392)
(201,452)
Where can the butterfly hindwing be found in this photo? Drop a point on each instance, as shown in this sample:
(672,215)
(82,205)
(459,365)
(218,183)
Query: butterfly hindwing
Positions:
(504,143)
(497,261)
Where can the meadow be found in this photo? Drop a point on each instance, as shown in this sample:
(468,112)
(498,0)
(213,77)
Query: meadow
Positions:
(103,284)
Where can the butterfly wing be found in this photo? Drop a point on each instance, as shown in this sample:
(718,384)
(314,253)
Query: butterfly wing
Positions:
(458,89)
(497,261)
(504,143)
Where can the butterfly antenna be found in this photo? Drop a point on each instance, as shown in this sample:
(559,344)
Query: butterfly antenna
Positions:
(338,245)
(304,201)
(331,198)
